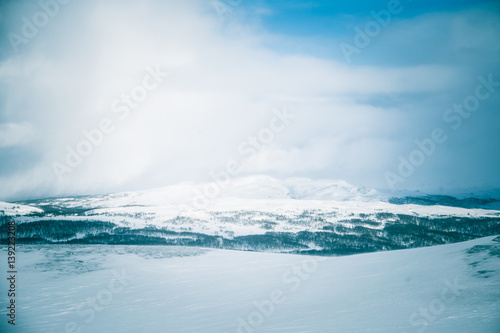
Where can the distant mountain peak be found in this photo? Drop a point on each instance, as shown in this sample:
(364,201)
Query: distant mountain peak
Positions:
(266,187)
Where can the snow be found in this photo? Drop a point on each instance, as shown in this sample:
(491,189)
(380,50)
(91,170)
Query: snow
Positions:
(16,209)
(249,187)
(237,210)
(243,207)
(450,288)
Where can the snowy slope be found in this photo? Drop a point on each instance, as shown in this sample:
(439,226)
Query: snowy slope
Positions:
(451,288)
(259,198)
(17,209)
(255,213)
(229,215)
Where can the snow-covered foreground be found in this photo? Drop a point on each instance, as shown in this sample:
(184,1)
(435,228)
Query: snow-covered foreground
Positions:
(100,288)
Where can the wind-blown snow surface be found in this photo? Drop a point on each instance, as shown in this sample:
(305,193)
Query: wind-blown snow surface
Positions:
(449,288)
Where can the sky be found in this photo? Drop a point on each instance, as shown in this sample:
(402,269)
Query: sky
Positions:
(107,96)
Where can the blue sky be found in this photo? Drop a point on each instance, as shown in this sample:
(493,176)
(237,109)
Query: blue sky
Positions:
(327,22)
(355,119)
(335,18)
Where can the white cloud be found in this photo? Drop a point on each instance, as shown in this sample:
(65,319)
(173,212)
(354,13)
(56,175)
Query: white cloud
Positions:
(223,86)
(15,134)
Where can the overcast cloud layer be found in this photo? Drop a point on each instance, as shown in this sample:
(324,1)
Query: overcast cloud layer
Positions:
(228,75)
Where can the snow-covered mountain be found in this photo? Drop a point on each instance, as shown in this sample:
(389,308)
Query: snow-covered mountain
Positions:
(258,187)
(265,187)
(256,213)
(11,209)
